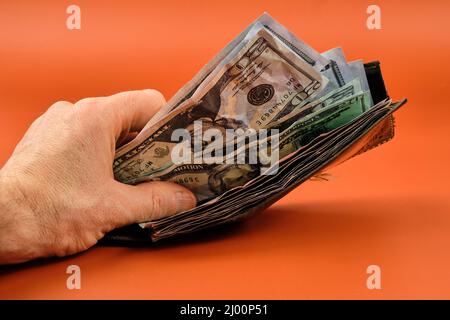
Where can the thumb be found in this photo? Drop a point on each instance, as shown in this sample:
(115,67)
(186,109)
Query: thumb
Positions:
(150,201)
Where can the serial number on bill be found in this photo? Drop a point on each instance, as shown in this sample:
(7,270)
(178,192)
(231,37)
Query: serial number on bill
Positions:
(230,310)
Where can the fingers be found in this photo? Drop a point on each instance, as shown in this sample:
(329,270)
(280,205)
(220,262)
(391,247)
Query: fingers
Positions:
(126,111)
(135,108)
(150,201)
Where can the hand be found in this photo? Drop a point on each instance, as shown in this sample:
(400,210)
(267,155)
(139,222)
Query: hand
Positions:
(58,195)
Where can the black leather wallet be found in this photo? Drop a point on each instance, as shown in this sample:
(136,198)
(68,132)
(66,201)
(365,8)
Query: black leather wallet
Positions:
(360,136)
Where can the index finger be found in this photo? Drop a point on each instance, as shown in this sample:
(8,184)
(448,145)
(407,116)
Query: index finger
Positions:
(134,108)
(127,111)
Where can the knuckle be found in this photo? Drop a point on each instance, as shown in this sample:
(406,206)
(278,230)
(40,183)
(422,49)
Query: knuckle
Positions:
(87,111)
(58,107)
(88,103)
(61,104)
(156,95)
(159,204)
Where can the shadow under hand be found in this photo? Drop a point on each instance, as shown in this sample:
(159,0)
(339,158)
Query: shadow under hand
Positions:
(291,226)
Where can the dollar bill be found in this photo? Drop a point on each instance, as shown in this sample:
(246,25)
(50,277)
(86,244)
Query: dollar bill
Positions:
(208,181)
(339,65)
(322,121)
(302,49)
(358,71)
(247,91)
(336,70)
(351,88)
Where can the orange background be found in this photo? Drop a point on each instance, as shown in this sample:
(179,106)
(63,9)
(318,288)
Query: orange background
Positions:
(388,207)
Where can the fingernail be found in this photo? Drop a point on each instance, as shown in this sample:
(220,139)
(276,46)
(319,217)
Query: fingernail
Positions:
(184,200)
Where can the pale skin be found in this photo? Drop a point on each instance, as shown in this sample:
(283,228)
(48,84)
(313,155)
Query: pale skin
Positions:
(58,195)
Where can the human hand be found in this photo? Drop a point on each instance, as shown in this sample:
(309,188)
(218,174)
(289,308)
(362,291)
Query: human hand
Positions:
(58,195)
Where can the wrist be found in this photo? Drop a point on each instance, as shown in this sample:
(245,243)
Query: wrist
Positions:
(15,215)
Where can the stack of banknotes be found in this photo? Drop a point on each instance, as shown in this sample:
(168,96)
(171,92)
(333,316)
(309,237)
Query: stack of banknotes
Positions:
(267,113)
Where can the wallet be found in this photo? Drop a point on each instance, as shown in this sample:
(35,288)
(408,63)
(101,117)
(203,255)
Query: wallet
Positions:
(366,132)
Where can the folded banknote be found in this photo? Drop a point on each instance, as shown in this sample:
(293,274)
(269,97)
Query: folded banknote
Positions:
(266,114)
